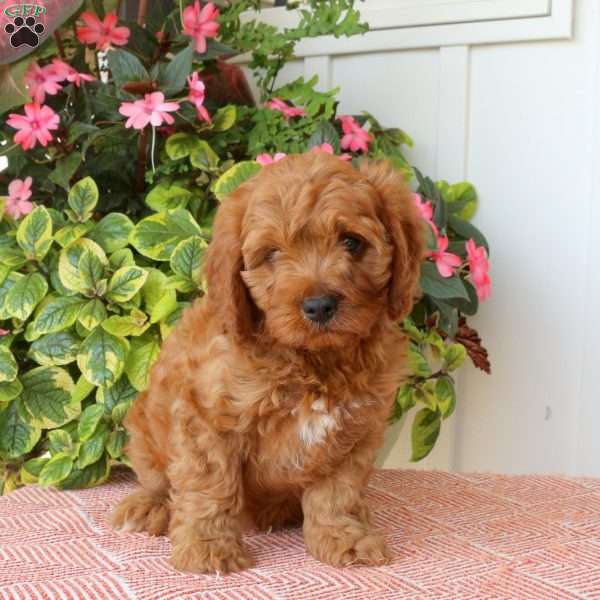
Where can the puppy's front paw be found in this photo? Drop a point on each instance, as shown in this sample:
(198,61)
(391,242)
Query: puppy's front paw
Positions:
(348,546)
(215,556)
(142,511)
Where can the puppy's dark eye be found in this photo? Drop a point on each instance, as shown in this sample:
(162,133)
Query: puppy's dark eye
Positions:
(353,244)
(270,255)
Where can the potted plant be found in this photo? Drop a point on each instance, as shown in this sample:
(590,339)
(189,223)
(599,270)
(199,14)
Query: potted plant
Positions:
(121,140)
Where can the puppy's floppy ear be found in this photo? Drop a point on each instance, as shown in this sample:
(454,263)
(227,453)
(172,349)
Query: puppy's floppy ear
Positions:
(227,291)
(406,231)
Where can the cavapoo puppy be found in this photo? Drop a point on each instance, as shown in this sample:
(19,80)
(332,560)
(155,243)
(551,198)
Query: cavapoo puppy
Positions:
(270,398)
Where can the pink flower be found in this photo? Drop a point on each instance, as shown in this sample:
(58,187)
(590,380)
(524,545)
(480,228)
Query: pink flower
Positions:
(19,192)
(267,159)
(34,126)
(64,71)
(328,149)
(40,81)
(4,332)
(426,210)
(152,109)
(285,109)
(201,24)
(196,96)
(445,261)
(479,268)
(102,33)
(355,137)
(425,207)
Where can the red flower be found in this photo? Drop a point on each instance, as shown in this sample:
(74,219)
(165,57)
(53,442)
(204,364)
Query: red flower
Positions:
(65,72)
(479,267)
(102,33)
(34,126)
(17,203)
(196,97)
(356,139)
(267,159)
(152,109)
(285,109)
(201,24)
(40,81)
(445,262)
(328,149)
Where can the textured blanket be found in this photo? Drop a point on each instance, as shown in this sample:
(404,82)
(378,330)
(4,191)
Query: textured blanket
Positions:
(453,537)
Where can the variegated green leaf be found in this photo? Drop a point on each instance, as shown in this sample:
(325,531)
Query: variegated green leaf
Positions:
(83,197)
(46,397)
(8,365)
(89,477)
(121,258)
(31,469)
(101,357)
(89,420)
(92,314)
(5,288)
(121,392)
(25,295)
(57,315)
(224,118)
(166,197)
(157,236)
(115,445)
(71,232)
(59,441)
(187,258)
(125,283)
(112,232)
(234,177)
(55,470)
(17,437)
(126,325)
(34,234)
(164,307)
(91,272)
(181,145)
(144,351)
(83,388)
(93,448)
(9,390)
(55,349)
(204,157)
(69,264)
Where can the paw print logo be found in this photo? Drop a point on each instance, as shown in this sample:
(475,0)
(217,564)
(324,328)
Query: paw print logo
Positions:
(24,31)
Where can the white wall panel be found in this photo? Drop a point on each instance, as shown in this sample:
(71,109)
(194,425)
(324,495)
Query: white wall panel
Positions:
(400,88)
(512,104)
(530,153)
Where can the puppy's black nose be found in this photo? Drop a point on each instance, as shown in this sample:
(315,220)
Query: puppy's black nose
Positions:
(320,308)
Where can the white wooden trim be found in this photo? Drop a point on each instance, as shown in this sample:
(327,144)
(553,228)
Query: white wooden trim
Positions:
(585,453)
(393,14)
(557,24)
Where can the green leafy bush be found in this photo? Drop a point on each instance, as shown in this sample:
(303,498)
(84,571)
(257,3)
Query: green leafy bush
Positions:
(102,255)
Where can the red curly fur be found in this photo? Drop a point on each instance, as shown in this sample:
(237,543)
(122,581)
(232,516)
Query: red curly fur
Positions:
(254,410)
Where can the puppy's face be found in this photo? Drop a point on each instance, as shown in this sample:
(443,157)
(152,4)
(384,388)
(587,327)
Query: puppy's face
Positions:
(324,249)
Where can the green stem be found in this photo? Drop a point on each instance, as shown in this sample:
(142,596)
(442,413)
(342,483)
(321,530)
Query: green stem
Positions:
(8,149)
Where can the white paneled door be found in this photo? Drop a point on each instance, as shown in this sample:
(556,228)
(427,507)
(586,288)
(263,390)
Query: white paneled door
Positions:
(504,93)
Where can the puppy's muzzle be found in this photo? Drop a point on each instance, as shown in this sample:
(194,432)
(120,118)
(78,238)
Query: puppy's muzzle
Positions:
(320,309)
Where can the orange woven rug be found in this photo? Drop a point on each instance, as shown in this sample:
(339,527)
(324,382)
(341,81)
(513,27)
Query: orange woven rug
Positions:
(453,537)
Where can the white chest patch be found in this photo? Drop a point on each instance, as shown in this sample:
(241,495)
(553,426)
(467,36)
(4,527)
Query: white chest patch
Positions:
(314,429)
